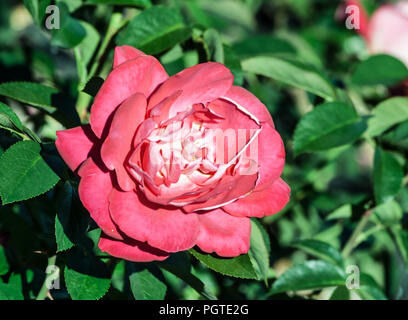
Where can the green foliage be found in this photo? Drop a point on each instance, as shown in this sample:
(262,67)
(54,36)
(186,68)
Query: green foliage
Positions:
(31,93)
(146,286)
(380,69)
(321,250)
(329,125)
(313,274)
(341,112)
(86,278)
(240,267)
(12,289)
(24,173)
(4,267)
(139,3)
(37,9)
(155,30)
(292,73)
(388,176)
(387,114)
(71,31)
(259,250)
(8,119)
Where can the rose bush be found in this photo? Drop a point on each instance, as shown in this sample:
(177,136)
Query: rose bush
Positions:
(155,177)
(386,31)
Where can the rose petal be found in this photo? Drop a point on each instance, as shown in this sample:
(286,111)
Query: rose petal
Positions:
(74,145)
(248,101)
(266,202)
(271,155)
(130,249)
(227,190)
(119,141)
(142,74)
(224,234)
(170,230)
(125,53)
(94,190)
(199,84)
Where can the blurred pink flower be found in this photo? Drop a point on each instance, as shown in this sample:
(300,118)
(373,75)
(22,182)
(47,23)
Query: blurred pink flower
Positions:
(386,31)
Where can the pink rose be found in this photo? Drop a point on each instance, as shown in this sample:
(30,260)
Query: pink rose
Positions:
(386,31)
(156,173)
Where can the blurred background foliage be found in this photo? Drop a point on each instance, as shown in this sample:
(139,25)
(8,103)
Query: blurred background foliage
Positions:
(344,210)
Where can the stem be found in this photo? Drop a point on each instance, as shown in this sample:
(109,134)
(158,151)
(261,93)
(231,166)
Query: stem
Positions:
(116,22)
(352,242)
(399,244)
(44,290)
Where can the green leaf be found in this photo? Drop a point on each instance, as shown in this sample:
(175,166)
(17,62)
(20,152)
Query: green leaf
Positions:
(146,286)
(12,290)
(313,274)
(37,9)
(259,250)
(370,293)
(239,267)
(388,176)
(23,173)
(389,212)
(327,126)
(45,98)
(233,63)
(262,45)
(84,52)
(139,3)
(340,293)
(369,289)
(86,278)
(342,212)
(155,30)
(31,93)
(8,119)
(70,33)
(213,46)
(292,73)
(4,267)
(380,69)
(387,114)
(321,250)
(72,5)
(62,219)
(179,265)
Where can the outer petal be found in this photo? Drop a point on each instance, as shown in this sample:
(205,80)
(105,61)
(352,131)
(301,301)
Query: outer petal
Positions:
(261,203)
(94,190)
(201,83)
(247,100)
(224,234)
(118,143)
(125,53)
(130,249)
(169,230)
(271,155)
(142,74)
(74,145)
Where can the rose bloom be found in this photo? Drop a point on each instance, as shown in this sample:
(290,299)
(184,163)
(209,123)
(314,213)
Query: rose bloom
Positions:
(386,31)
(168,163)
